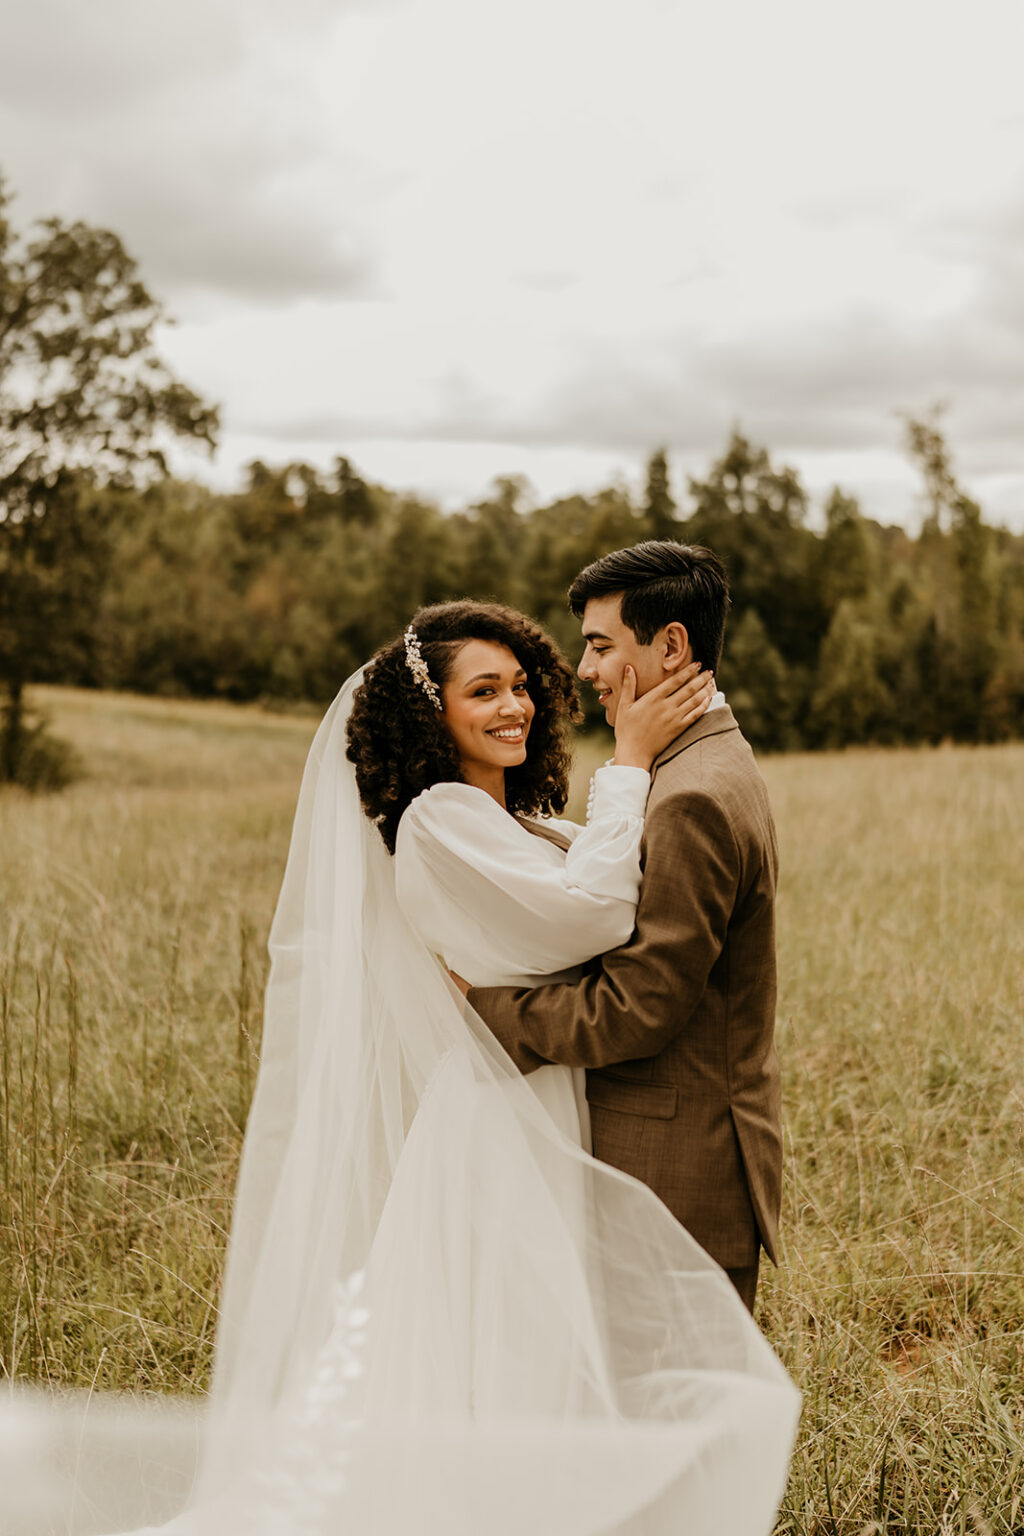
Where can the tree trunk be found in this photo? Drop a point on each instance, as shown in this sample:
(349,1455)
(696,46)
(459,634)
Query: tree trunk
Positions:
(12,730)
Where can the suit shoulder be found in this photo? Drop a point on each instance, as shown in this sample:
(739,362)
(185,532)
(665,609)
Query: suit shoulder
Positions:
(716,777)
(713,764)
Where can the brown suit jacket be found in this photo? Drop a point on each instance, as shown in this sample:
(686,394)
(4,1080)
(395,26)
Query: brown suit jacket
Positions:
(676,1028)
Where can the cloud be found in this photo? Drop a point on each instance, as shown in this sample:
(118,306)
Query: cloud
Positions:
(188,131)
(566,251)
(1000,255)
(80,64)
(218,223)
(840,386)
(543,281)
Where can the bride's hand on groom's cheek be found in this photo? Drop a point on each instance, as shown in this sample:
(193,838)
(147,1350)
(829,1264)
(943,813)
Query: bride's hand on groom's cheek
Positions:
(645,726)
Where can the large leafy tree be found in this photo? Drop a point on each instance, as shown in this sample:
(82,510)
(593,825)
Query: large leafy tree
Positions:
(86,402)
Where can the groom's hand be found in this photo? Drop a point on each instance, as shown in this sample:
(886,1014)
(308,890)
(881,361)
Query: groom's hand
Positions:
(462,985)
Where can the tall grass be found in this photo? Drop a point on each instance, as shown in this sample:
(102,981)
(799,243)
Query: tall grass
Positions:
(135,909)
(132,962)
(900,1303)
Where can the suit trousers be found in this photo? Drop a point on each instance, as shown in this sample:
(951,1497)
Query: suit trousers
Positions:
(745,1281)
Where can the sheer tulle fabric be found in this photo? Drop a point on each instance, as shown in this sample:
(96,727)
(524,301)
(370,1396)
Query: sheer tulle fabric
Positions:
(439,1314)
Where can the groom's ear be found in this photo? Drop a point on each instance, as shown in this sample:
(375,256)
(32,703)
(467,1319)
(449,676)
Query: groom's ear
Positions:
(676,642)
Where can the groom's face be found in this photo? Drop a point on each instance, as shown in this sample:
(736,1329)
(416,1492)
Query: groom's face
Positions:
(611,647)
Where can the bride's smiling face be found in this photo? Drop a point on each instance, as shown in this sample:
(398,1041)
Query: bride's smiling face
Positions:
(487,709)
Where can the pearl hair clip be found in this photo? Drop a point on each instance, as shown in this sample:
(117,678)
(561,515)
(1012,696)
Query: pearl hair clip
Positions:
(418,667)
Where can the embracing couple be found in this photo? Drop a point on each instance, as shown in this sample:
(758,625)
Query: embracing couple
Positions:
(578,1324)
(515,1147)
(676,1026)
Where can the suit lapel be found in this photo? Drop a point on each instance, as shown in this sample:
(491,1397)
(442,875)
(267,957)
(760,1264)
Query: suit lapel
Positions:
(712,723)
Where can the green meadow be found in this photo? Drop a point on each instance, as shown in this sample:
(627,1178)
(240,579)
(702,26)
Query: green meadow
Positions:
(134,910)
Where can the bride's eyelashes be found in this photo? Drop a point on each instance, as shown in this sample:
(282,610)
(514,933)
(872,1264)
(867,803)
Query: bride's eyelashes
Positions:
(482,693)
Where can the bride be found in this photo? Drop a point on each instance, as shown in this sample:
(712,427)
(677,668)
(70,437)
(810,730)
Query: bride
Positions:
(440,1313)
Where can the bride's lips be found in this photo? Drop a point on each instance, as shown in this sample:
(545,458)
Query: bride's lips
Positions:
(603,695)
(510,733)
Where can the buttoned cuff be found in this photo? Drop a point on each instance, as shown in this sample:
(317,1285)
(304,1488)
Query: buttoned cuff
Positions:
(617,792)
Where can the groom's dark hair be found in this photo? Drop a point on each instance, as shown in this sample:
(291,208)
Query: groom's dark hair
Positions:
(661,582)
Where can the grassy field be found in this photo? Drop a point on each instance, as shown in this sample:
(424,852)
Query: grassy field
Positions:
(133,915)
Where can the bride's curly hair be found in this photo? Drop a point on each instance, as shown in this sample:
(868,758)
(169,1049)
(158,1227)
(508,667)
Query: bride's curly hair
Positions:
(400,744)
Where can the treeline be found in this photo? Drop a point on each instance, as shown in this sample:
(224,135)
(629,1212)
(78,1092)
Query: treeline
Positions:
(856,633)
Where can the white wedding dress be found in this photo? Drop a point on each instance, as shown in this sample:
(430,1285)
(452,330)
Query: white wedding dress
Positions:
(440,1313)
(505,907)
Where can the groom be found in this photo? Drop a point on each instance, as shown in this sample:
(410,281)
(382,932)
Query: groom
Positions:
(676,1028)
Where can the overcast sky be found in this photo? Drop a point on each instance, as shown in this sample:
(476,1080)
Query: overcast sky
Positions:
(453,239)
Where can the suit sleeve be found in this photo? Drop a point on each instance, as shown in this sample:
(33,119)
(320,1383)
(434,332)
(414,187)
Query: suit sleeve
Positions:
(641,995)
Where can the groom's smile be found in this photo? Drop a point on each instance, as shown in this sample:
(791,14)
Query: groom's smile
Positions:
(611,648)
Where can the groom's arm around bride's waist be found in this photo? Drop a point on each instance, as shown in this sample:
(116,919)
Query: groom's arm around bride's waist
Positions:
(642,995)
(677,1026)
